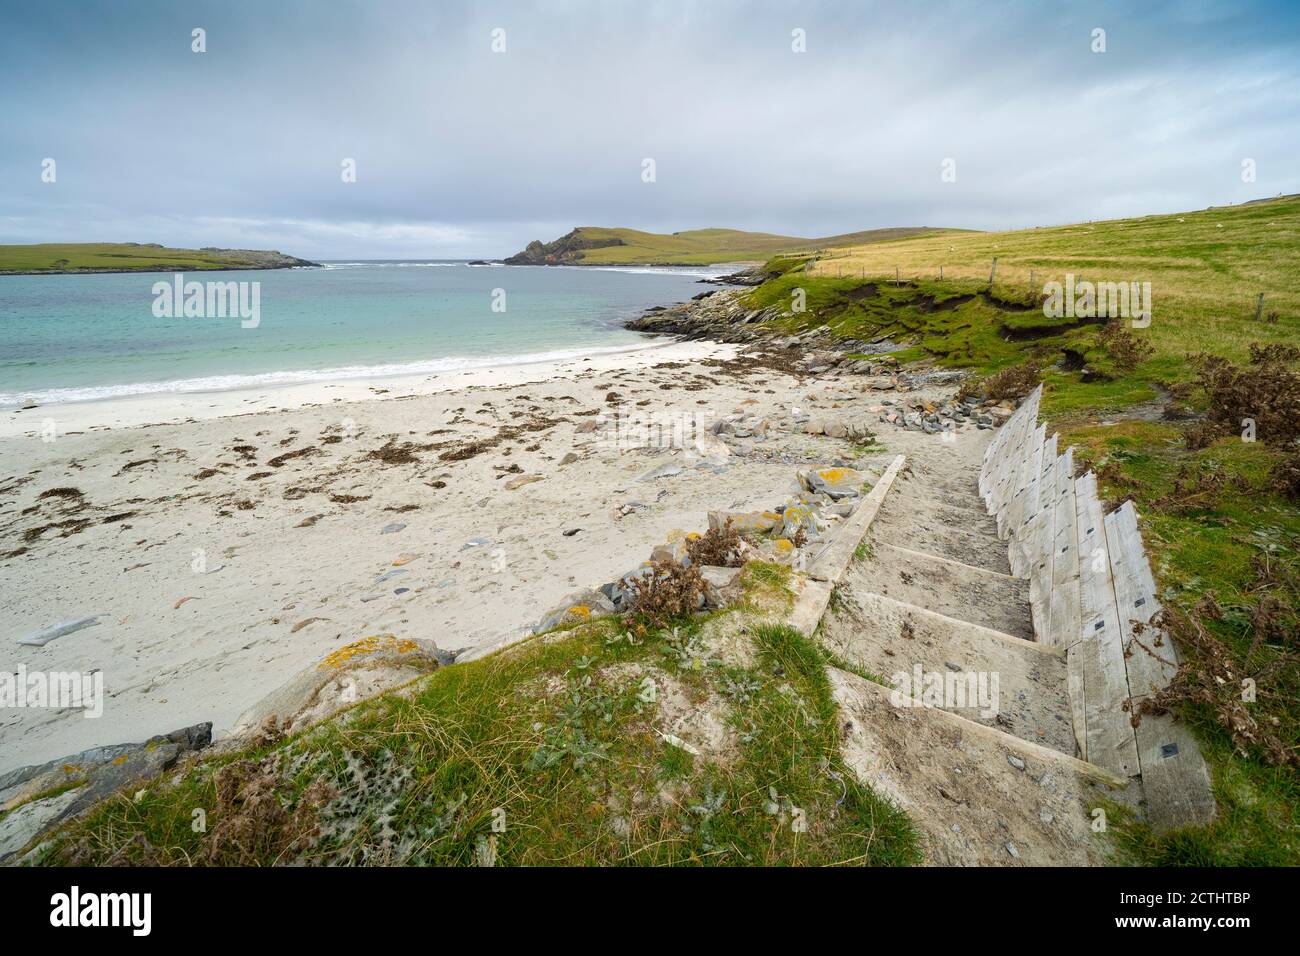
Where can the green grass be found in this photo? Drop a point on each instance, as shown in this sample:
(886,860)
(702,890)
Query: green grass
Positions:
(558,743)
(122,257)
(1206,268)
(1256,825)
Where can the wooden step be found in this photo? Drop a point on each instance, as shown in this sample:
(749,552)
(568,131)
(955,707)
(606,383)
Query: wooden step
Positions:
(980,797)
(888,638)
(938,529)
(968,594)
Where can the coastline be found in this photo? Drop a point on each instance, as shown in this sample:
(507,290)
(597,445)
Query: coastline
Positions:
(171,407)
(252,533)
(229,551)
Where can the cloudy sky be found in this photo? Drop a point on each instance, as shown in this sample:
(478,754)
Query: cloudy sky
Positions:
(463,151)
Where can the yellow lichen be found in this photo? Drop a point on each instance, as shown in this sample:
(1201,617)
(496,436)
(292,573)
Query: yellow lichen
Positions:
(833,475)
(367,645)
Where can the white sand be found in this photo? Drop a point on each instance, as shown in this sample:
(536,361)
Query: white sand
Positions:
(482,563)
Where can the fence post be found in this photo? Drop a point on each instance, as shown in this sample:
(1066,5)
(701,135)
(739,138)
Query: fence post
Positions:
(1259,307)
(993,271)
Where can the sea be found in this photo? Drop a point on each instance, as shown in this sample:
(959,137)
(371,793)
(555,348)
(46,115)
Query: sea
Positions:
(67,338)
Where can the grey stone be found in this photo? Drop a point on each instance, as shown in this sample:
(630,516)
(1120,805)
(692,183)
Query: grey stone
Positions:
(20,827)
(45,635)
(663,471)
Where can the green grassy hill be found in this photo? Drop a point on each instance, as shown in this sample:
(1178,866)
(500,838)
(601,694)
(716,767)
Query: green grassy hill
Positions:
(598,245)
(133,257)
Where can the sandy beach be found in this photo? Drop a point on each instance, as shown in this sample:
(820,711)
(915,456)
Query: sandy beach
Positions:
(231,539)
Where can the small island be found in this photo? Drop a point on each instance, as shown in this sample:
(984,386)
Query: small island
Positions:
(89,257)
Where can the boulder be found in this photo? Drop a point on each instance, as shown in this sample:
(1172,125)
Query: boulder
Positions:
(576,608)
(354,672)
(616,592)
(835,483)
(721,585)
(783,551)
(797,517)
(711,446)
(746,522)
(94,775)
(22,826)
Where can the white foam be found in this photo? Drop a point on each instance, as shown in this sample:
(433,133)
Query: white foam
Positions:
(223,383)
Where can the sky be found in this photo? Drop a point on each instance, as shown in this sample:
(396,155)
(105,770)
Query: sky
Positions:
(463,150)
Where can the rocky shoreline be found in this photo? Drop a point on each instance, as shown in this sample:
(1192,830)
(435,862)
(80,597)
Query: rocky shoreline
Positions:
(721,316)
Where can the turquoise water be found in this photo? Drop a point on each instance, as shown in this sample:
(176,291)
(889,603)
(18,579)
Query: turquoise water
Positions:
(78,337)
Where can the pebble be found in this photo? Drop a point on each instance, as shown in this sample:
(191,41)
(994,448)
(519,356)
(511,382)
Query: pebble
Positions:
(393,528)
(1015,761)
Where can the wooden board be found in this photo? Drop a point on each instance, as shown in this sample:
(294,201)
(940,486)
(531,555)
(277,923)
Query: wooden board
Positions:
(1028,473)
(1076,689)
(1023,547)
(1153,667)
(1000,492)
(1109,739)
(1175,779)
(1041,534)
(1064,608)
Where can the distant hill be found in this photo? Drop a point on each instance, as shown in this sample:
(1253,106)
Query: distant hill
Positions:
(134,257)
(596,245)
